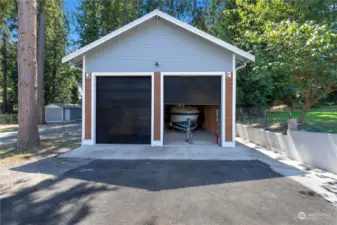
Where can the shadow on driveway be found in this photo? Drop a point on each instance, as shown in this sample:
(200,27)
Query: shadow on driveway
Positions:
(165,192)
(156,175)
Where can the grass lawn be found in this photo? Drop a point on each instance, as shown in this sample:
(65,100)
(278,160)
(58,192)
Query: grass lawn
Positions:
(325,118)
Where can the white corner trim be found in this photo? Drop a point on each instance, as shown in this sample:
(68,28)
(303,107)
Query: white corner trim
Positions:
(234,99)
(112,74)
(83,97)
(87,142)
(229,144)
(157,143)
(152,110)
(168,18)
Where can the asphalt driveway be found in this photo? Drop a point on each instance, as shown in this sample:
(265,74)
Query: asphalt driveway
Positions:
(162,192)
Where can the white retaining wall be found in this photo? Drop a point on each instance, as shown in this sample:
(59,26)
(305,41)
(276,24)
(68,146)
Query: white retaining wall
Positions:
(314,149)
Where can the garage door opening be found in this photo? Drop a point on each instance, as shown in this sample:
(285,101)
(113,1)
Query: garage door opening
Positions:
(194,98)
(123,110)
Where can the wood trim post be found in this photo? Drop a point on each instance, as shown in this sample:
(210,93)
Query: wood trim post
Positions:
(87,105)
(157,104)
(229,109)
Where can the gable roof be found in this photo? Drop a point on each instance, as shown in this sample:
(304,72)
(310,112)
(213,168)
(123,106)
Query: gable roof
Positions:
(158,13)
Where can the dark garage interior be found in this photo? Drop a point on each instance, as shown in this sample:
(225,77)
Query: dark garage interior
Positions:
(200,92)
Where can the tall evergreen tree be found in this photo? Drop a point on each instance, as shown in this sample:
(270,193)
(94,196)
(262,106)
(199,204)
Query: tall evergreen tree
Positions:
(5,11)
(41,59)
(28,135)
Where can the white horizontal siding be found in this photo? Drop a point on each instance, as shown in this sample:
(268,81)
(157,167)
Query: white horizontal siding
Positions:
(175,49)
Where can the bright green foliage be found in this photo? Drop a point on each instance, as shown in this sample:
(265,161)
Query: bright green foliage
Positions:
(324,118)
(294,43)
(8,27)
(308,52)
(89,21)
(61,82)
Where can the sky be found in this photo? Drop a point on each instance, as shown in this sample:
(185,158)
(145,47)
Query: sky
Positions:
(69,9)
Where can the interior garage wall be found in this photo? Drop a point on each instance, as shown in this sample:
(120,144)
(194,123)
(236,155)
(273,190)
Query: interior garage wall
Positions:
(175,49)
(210,123)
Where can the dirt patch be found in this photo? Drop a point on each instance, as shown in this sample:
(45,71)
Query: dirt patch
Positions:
(55,140)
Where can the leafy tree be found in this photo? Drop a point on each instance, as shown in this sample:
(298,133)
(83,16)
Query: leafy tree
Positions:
(96,18)
(308,52)
(60,79)
(41,59)
(7,11)
(250,22)
(88,21)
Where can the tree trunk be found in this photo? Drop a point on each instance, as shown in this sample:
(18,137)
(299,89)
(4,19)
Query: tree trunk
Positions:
(4,72)
(125,12)
(306,107)
(28,135)
(40,77)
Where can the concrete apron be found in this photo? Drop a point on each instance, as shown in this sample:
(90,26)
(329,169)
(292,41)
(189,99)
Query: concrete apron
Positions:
(132,152)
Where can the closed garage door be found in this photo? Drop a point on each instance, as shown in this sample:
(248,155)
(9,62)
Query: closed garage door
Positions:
(123,107)
(198,90)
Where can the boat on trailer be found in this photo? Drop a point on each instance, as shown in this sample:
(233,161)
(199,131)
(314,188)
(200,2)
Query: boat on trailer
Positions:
(179,116)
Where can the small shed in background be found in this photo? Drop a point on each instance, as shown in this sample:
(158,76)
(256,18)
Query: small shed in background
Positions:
(58,113)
